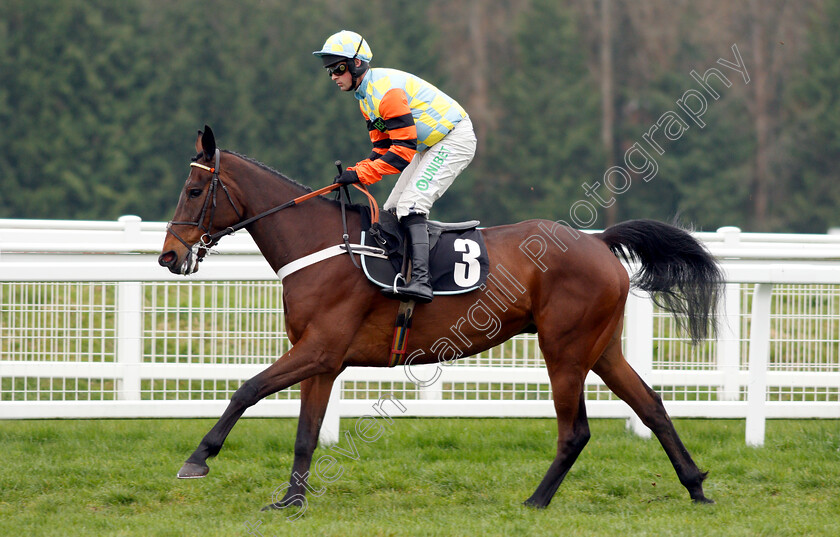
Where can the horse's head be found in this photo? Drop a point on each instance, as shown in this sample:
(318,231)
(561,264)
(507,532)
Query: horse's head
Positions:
(205,207)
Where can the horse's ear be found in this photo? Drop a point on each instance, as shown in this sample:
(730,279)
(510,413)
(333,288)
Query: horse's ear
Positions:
(208,142)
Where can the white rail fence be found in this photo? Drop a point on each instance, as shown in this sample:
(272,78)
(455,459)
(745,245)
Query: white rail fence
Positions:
(92,327)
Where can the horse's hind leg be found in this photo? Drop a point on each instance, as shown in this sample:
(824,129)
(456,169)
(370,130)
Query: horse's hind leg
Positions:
(572,436)
(647,404)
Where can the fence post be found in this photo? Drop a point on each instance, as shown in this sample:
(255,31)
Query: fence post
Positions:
(639,349)
(759,356)
(331,424)
(129,323)
(430,391)
(729,342)
(729,324)
(129,338)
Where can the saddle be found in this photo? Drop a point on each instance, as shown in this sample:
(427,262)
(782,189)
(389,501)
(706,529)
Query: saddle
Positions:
(458,259)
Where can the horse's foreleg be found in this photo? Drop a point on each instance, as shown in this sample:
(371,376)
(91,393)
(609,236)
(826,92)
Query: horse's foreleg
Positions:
(243,398)
(293,367)
(314,397)
(647,404)
(572,436)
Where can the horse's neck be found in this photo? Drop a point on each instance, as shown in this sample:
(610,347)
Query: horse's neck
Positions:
(293,232)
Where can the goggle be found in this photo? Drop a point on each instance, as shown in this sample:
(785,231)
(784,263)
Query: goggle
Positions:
(337,70)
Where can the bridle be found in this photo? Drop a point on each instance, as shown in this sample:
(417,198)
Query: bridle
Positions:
(208,239)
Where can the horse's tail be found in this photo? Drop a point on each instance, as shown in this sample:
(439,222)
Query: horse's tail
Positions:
(676,269)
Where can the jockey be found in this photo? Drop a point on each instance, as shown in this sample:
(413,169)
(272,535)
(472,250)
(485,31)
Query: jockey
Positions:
(416,130)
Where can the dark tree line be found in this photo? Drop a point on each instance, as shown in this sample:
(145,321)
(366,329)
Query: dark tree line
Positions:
(99,103)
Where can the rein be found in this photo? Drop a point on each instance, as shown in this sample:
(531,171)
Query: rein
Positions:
(215,237)
(208,240)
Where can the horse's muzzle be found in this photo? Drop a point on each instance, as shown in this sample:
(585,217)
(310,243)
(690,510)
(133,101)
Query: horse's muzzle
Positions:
(169,260)
(189,265)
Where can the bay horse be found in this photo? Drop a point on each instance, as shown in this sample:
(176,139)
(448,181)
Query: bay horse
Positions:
(568,287)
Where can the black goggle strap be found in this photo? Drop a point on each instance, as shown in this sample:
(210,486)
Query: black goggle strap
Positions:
(352,63)
(357,49)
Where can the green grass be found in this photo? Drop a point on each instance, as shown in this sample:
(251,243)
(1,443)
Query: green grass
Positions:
(422,477)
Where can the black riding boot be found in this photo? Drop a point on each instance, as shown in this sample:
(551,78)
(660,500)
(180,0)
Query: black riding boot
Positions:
(419,287)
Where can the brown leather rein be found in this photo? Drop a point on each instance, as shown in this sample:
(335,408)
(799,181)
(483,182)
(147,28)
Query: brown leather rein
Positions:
(208,240)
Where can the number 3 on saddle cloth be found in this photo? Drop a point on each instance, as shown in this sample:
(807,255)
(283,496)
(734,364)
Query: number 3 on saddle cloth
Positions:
(458,260)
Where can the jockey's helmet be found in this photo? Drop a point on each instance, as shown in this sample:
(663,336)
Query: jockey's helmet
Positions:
(344,45)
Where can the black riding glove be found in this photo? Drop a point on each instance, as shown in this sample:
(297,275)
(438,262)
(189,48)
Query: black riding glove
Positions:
(347,177)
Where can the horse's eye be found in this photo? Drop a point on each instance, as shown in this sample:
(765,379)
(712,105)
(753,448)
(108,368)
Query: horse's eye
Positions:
(195,192)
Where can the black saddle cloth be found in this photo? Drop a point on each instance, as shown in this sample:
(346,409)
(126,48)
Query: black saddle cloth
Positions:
(457,254)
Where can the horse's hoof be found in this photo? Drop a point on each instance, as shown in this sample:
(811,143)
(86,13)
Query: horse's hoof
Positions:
(704,500)
(296,500)
(283,504)
(190,470)
(530,502)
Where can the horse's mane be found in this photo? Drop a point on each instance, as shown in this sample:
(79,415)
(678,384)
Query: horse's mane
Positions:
(267,168)
(353,207)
